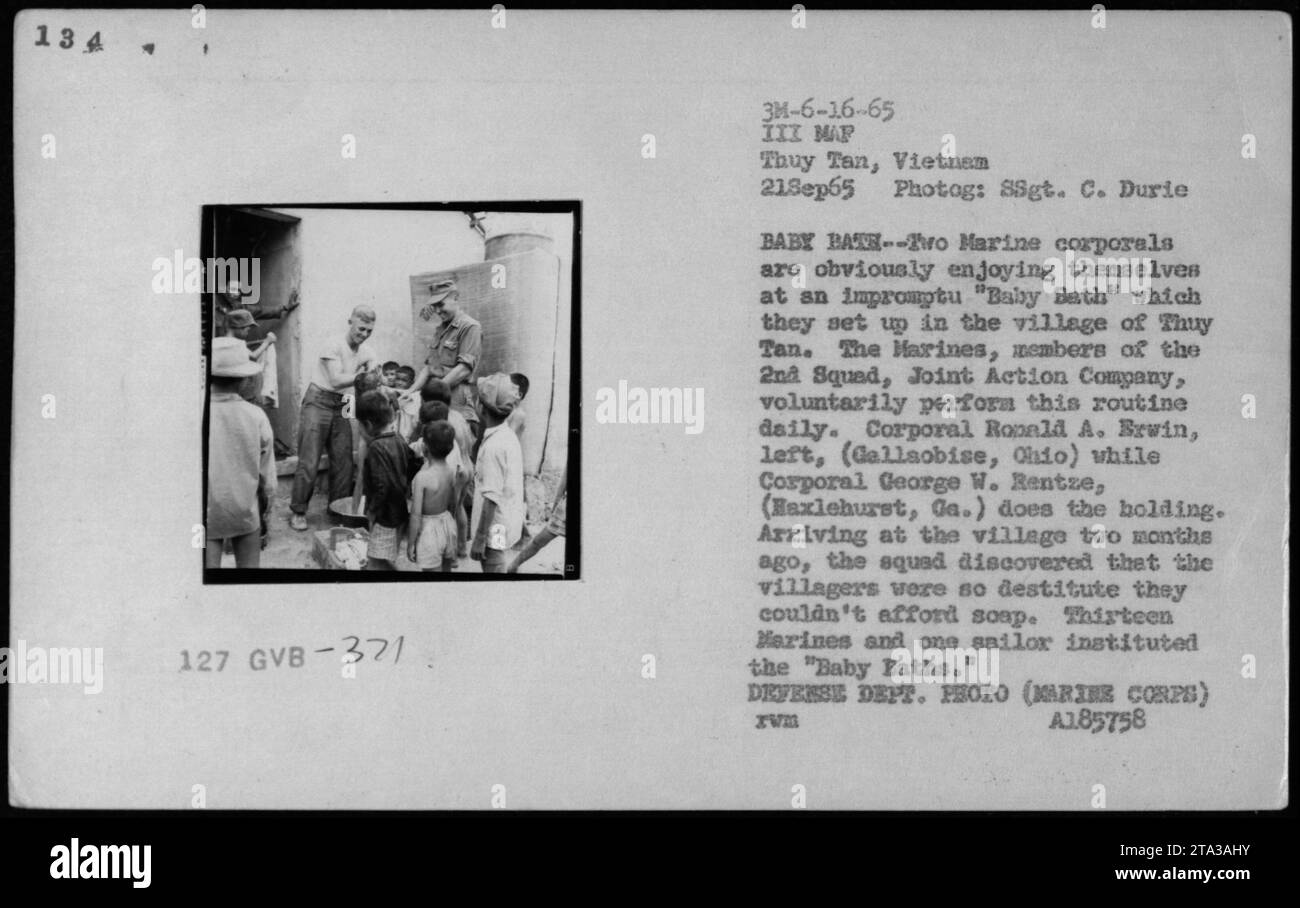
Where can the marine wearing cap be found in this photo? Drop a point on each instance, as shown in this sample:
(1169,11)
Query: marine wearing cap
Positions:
(455,349)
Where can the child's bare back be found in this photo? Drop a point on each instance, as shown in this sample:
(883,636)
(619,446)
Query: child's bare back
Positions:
(437,515)
(437,485)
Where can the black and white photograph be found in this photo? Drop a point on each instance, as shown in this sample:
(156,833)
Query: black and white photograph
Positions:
(871,422)
(390,389)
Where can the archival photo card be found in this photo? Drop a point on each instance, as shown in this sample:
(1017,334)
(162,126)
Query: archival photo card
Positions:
(902,400)
(359,360)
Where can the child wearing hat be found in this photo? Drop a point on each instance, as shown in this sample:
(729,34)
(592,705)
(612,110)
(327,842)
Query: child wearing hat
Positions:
(260,389)
(241,458)
(498,513)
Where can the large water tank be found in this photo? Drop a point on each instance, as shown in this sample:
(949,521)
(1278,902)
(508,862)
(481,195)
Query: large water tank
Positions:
(514,294)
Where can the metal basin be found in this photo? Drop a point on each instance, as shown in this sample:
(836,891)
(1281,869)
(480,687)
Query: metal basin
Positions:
(340,514)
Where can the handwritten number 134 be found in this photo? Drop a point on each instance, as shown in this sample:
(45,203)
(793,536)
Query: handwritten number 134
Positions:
(65,40)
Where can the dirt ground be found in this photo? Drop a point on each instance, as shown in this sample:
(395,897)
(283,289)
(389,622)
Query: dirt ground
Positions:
(288,548)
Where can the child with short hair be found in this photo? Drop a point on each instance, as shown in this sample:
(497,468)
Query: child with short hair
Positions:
(430,411)
(388,373)
(408,408)
(374,381)
(365,381)
(437,518)
(435,389)
(437,411)
(389,467)
(458,459)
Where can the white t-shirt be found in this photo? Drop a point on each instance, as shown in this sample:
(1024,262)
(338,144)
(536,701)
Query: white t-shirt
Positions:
(349,360)
(499,477)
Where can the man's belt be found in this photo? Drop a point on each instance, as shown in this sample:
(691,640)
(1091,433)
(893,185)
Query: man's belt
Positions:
(333,398)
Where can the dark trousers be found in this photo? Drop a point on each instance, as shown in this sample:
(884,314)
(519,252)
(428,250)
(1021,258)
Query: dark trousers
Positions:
(322,426)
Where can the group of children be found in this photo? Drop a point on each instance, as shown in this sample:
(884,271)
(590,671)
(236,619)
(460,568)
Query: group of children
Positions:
(425,476)
(424,473)
(413,471)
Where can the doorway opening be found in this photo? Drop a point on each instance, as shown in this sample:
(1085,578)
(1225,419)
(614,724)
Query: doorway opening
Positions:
(269,241)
